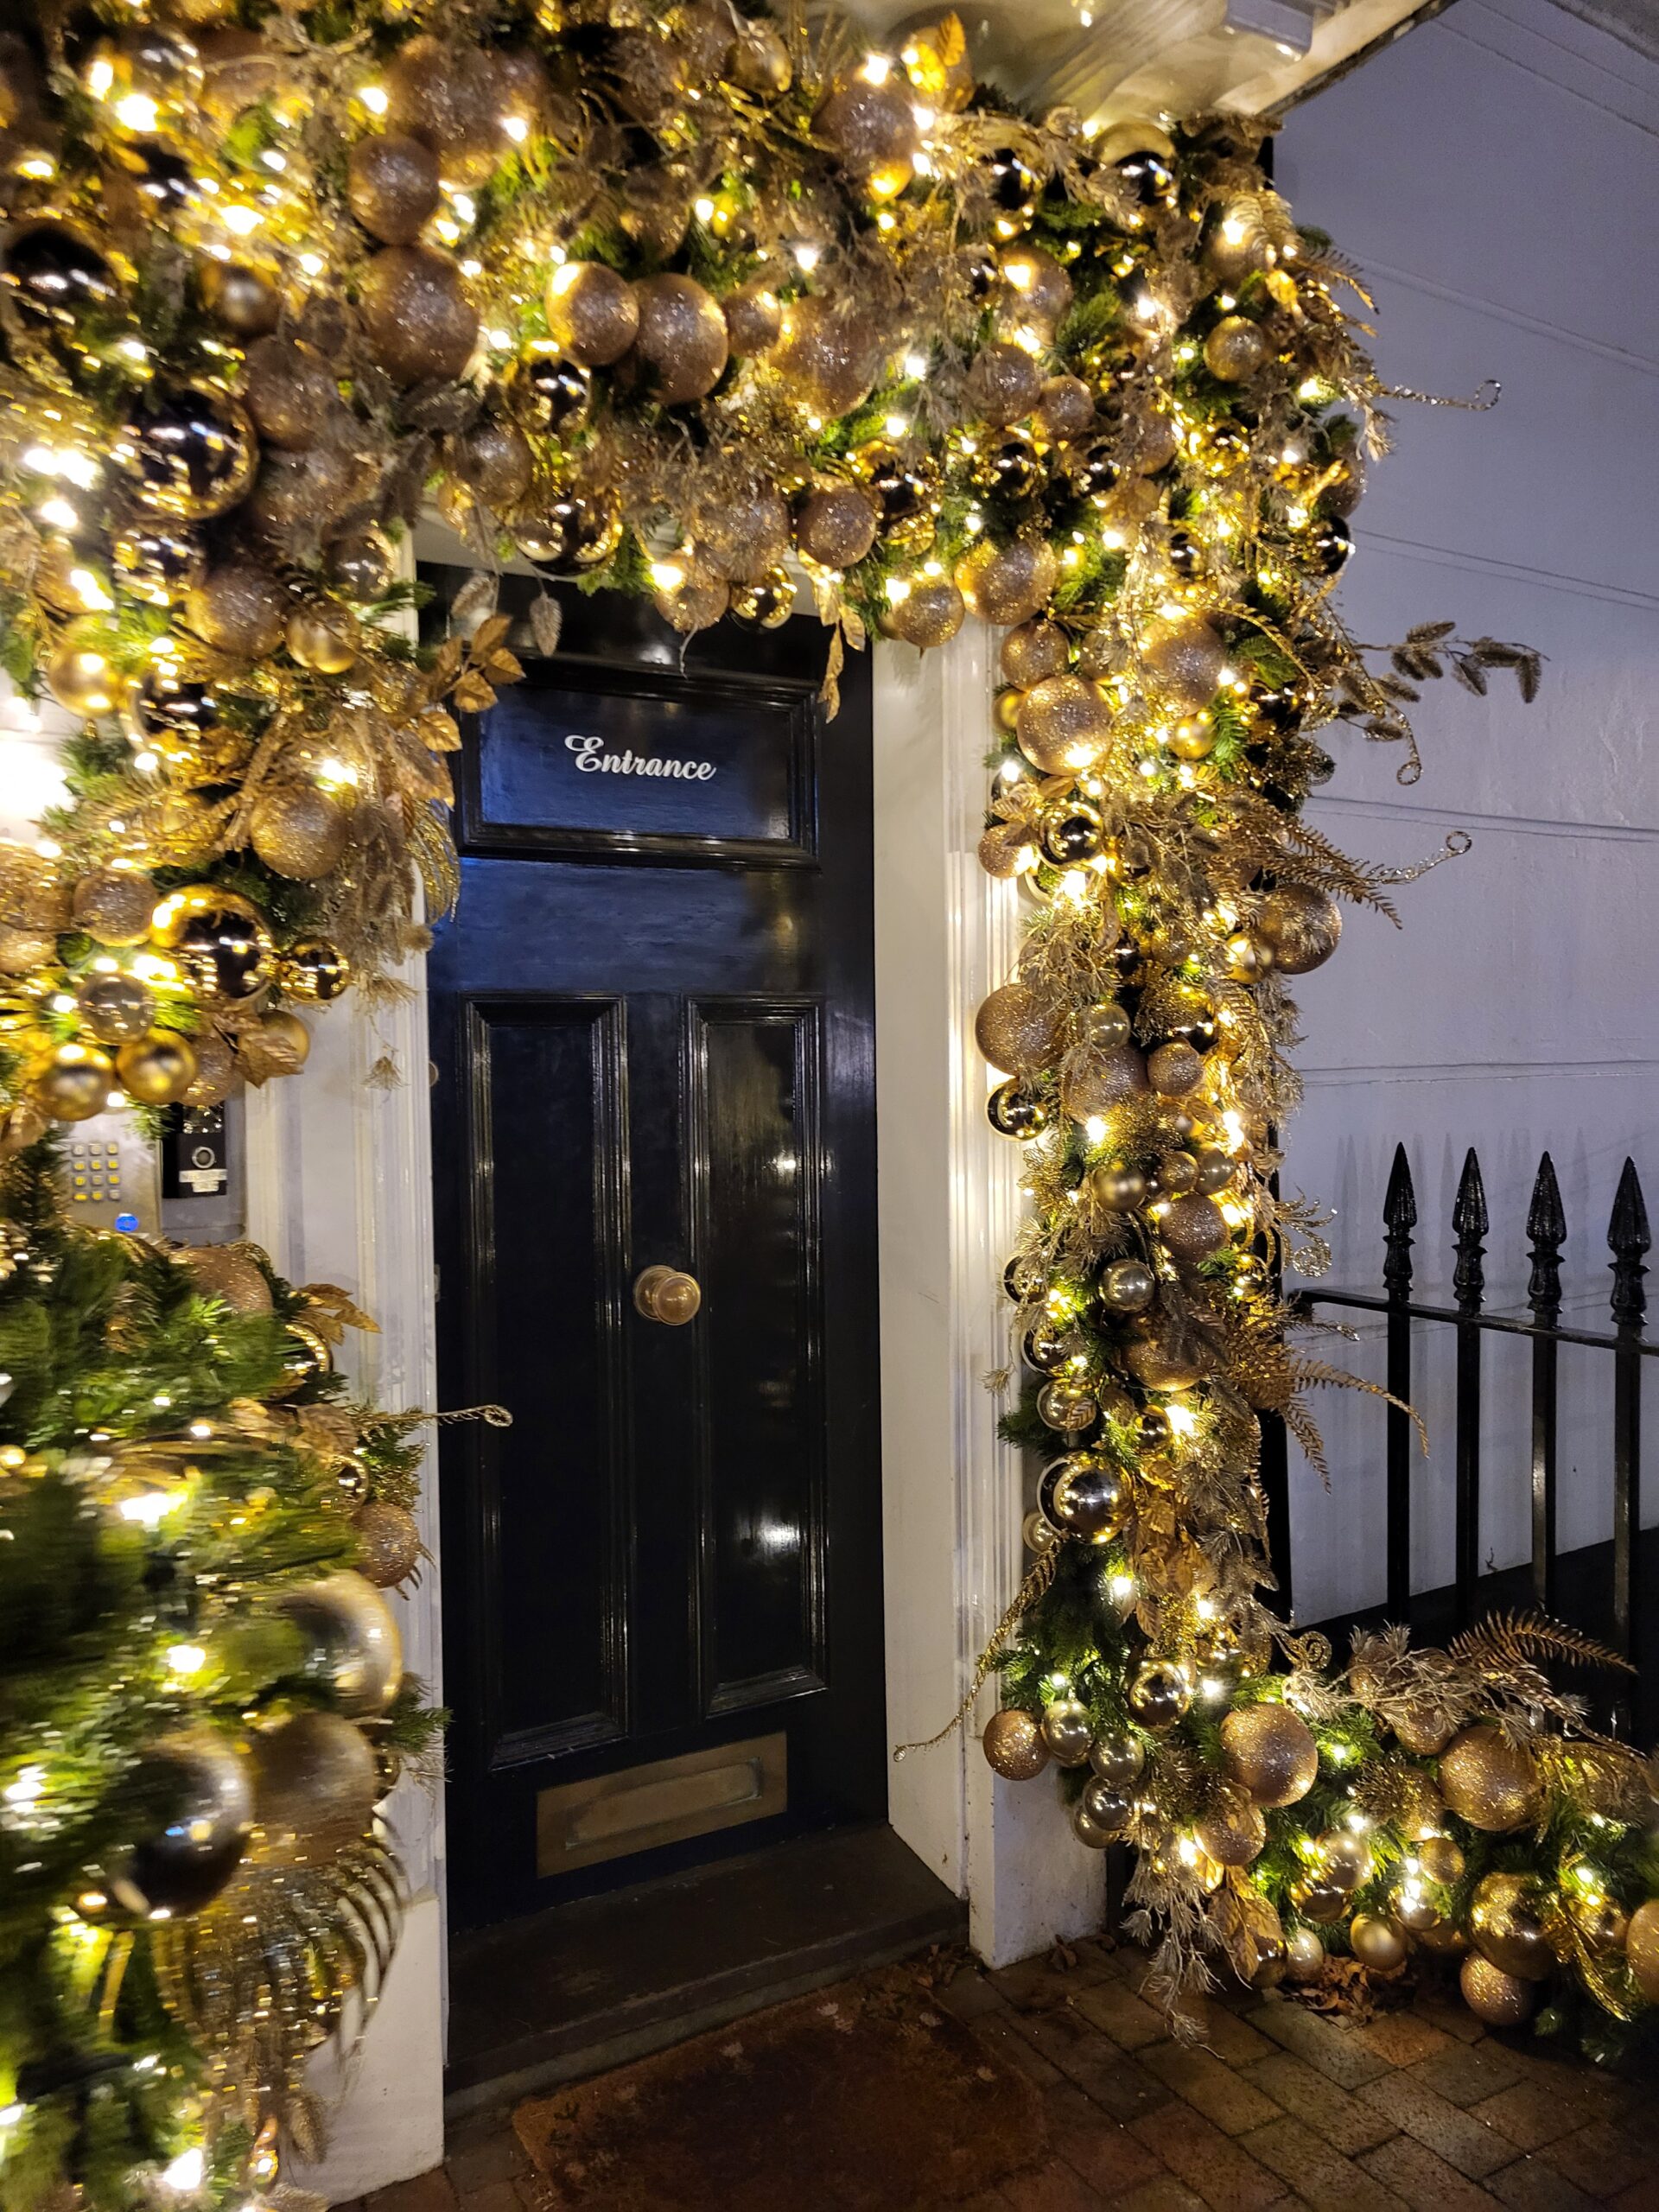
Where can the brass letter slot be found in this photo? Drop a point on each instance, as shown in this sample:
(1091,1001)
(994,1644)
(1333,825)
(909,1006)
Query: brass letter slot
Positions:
(581,1823)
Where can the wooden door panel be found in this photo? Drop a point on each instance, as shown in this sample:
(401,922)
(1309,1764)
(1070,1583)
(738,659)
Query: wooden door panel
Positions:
(753,1124)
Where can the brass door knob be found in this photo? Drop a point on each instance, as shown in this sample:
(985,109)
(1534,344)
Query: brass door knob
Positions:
(665,1294)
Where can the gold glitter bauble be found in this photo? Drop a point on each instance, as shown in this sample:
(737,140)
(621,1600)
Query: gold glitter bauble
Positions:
(419,322)
(448,96)
(695,601)
(1008,584)
(116,1008)
(1506,1924)
(493,459)
(593,315)
(229,1273)
(681,348)
(1096,1081)
(70,1082)
(1038,289)
(184,450)
(1185,659)
(1441,1858)
(81,676)
(240,609)
(745,536)
(1033,651)
(391,186)
(1004,383)
(754,319)
(1488,1783)
(1301,927)
(1642,1948)
(388,1543)
(1271,1752)
(1013,1745)
(298,495)
(1149,442)
(828,354)
(216,1069)
(114,906)
(1234,1831)
(1004,849)
(157,1069)
(871,130)
(1174,1068)
(1065,409)
(1193,1228)
(1064,723)
(1423,1734)
(23,951)
(1234,349)
(218,938)
(289,389)
(1378,1941)
(1502,2000)
(298,830)
(1014,1029)
(836,524)
(1162,1362)
(314,1788)
(929,613)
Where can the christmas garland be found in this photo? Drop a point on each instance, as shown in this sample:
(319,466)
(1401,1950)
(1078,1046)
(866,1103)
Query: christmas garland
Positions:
(665,302)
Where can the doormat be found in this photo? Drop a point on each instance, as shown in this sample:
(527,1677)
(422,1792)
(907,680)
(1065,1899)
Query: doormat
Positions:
(863,2097)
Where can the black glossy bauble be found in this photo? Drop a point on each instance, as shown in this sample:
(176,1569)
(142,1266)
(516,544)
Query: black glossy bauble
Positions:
(1186,557)
(185,451)
(900,491)
(980,274)
(1073,833)
(158,564)
(571,535)
(165,179)
(1013,1111)
(1010,467)
(550,394)
(1014,186)
(1043,1347)
(1149,177)
(167,706)
(55,276)
(1124,958)
(1330,544)
(1195,1025)
(1280,706)
(1092,472)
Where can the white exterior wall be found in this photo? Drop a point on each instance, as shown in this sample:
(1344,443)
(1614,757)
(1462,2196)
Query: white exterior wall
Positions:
(1496,178)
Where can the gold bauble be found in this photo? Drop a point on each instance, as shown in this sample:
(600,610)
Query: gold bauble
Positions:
(314,1787)
(229,1273)
(828,354)
(1345,1859)
(1096,1081)
(1014,1029)
(1423,1734)
(216,1070)
(1234,349)
(1271,1752)
(278,1044)
(1004,383)
(754,319)
(1319,1901)
(1378,1941)
(1067,1730)
(871,130)
(1502,2000)
(694,601)
(1174,1068)
(745,536)
(1008,584)
(1642,1948)
(240,609)
(388,1543)
(298,496)
(1304,1956)
(1013,1745)
(23,950)
(70,1082)
(1234,1831)
(1065,409)
(681,348)
(1194,1228)
(1034,651)
(1163,1362)
(1488,1783)
(362,563)
(157,1069)
(298,830)
(593,315)
(1064,723)
(114,906)
(494,461)
(116,1008)
(1005,849)
(1441,1860)
(1149,442)
(1506,1922)
(391,186)
(289,389)
(836,524)
(157,562)
(357,1653)
(447,94)
(322,637)
(421,325)
(81,676)
(218,938)
(1301,927)
(929,613)
(1038,290)
(760,60)
(1160,1692)
(1185,659)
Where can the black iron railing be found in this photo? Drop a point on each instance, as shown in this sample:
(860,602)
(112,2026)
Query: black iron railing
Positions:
(1618,1608)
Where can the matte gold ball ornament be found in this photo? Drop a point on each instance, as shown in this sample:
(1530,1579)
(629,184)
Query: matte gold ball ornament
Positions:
(1015,1745)
(1379,1942)
(1270,1751)
(72,1082)
(314,1788)
(1487,1782)
(1642,1948)
(156,1070)
(116,1008)
(229,1273)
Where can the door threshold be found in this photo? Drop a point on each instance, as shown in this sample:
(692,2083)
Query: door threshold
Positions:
(579,1988)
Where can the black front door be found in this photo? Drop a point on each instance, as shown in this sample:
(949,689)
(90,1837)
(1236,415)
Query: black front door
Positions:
(652,1032)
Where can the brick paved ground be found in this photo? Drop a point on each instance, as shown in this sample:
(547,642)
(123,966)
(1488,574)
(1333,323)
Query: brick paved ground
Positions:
(1277,2106)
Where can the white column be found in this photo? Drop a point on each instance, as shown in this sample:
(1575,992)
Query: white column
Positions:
(946,934)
